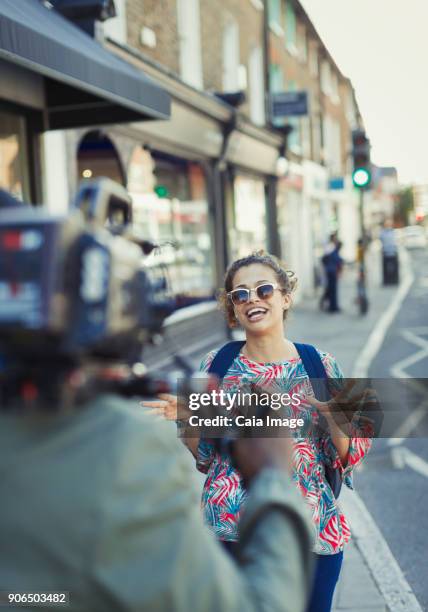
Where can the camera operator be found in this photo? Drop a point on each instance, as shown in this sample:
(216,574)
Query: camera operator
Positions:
(98,500)
(101,503)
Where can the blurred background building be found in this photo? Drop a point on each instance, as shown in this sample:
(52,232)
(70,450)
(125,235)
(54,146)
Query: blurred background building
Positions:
(255,152)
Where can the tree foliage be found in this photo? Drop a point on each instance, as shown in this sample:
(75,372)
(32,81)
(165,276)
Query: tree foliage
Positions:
(404,205)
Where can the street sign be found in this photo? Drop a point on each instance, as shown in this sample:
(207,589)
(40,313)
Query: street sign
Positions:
(336,183)
(289,104)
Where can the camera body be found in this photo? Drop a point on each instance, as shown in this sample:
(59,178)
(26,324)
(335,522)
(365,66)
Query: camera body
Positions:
(76,285)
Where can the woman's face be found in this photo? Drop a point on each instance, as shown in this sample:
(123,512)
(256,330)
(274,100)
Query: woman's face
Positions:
(259,315)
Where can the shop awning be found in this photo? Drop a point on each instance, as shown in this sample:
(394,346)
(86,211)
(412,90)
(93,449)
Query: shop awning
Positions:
(84,84)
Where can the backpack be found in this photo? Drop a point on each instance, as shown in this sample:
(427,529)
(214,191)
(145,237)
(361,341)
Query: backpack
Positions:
(315,370)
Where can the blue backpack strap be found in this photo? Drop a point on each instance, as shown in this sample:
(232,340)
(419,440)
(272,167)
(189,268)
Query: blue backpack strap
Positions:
(316,371)
(314,368)
(225,357)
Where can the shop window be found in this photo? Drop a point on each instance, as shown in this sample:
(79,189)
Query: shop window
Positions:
(170,207)
(13,156)
(97,156)
(248,231)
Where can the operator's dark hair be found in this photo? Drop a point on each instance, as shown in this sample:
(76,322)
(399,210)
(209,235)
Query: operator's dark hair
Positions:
(287,280)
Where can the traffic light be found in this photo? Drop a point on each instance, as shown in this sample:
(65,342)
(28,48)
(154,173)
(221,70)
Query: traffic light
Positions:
(361,174)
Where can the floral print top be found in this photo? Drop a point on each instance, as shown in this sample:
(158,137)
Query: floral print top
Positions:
(223,494)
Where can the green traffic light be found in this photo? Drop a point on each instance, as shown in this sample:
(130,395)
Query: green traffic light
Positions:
(161,191)
(361,177)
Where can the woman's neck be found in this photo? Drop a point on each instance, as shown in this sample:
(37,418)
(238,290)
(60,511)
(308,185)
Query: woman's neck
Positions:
(269,348)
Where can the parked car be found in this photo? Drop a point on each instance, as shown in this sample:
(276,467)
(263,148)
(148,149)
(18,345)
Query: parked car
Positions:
(414,237)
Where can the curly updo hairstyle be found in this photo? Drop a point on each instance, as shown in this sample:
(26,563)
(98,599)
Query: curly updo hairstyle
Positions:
(287,280)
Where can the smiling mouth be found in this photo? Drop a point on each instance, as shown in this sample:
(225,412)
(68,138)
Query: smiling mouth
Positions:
(255,314)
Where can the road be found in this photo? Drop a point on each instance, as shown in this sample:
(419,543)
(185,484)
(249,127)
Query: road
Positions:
(394,480)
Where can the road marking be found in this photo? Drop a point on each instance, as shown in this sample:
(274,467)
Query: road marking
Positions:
(379,332)
(409,424)
(373,547)
(398,370)
(415,462)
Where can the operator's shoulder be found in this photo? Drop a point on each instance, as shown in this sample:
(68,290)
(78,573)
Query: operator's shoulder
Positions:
(121,418)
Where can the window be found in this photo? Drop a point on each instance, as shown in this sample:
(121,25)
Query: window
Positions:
(313,60)
(332,144)
(189,25)
(290,27)
(325,78)
(335,88)
(257,98)
(276,85)
(115,28)
(231,57)
(248,232)
(275,16)
(306,137)
(13,156)
(276,78)
(294,138)
(316,137)
(170,204)
(97,156)
(302,44)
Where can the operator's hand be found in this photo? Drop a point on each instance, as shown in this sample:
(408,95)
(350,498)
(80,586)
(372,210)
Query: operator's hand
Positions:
(166,406)
(252,455)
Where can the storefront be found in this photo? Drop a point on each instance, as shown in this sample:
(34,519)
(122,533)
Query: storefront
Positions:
(170,206)
(55,76)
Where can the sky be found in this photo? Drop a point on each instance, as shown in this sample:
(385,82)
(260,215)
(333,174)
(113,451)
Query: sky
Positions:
(382,46)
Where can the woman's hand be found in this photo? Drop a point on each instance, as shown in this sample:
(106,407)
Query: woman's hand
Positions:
(166,406)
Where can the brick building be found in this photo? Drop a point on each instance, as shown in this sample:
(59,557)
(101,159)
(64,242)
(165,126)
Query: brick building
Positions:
(316,197)
(209,179)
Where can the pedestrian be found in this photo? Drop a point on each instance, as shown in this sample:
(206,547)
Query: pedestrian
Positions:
(258,296)
(389,253)
(333,264)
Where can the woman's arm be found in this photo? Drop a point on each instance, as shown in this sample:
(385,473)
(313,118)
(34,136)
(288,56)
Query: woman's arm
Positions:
(340,440)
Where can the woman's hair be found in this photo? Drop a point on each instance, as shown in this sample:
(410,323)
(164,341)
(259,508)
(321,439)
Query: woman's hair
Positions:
(287,280)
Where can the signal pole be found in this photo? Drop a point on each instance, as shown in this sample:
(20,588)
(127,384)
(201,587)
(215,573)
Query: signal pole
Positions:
(363,302)
(361,178)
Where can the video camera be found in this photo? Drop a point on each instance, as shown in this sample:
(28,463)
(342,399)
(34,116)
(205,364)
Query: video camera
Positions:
(74,288)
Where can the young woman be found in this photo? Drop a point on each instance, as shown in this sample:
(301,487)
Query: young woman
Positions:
(257,296)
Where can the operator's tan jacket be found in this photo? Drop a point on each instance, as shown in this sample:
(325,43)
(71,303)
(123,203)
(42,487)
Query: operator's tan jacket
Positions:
(103,503)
